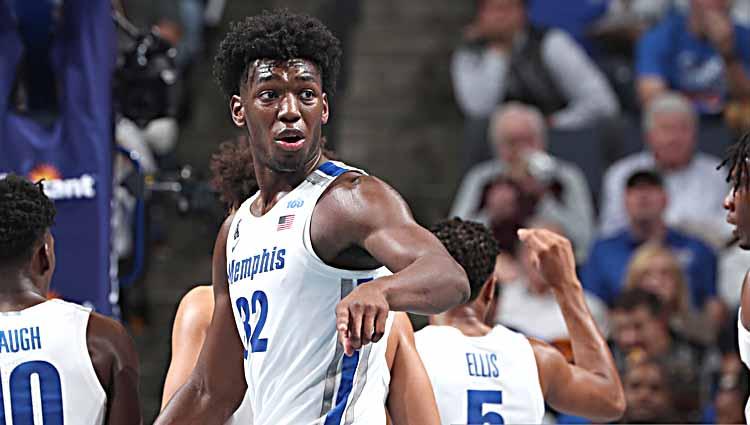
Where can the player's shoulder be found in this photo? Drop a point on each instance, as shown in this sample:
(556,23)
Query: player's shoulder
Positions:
(196,307)
(107,336)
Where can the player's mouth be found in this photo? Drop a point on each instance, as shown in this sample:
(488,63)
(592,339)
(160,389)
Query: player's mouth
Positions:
(290,140)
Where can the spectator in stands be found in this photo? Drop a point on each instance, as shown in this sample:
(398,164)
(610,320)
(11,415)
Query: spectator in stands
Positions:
(648,394)
(731,391)
(704,54)
(640,330)
(655,269)
(696,191)
(527,303)
(504,59)
(550,188)
(645,203)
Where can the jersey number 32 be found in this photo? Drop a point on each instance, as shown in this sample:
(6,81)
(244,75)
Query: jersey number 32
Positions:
(258,303)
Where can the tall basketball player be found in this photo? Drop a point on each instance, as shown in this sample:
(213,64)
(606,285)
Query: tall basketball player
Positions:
(737,204)
(299,284)
(232,178)
(491,375)
(59,362)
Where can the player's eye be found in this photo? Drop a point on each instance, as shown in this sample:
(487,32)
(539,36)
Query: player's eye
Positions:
(268,95)
(307,94)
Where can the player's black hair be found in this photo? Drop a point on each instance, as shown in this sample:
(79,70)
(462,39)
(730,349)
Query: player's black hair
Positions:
(631,299)
(25,214)
(736,160)
(232,173)
(277,35)
(472,245)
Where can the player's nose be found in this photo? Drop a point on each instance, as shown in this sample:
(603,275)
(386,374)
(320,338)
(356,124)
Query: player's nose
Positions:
(289,109)
(729,200)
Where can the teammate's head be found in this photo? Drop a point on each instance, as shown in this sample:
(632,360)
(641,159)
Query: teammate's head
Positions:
(737,201)
(474,247)
(26,244)
(278,70)
(232,173)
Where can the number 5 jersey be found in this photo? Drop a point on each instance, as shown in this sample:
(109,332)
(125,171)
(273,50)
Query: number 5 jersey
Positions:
(490,379)
(47,374)
(284,301)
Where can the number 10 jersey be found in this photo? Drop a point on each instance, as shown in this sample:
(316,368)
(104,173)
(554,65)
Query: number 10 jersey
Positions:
(284,301)
(47,374)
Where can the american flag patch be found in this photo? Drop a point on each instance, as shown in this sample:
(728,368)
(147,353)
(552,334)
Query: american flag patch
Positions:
(285,222)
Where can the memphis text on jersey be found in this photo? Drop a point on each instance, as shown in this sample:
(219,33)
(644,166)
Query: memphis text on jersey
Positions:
(24,339)
(263,262)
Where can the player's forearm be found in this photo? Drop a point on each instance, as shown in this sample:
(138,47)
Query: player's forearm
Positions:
(745,304)
(430,285)
(590,350)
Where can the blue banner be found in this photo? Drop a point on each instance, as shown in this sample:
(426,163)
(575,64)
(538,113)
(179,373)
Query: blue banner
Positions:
(73,151)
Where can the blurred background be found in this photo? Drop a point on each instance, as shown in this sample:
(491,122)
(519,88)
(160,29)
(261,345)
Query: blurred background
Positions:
(603,120)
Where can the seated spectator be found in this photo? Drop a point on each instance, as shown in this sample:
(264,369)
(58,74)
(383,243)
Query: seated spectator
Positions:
(648,394)
(645,204)
(527,303)
(703,54)
(504,58)
(639,328)
(549,188)
(731,391)
(655,269)
(696,191)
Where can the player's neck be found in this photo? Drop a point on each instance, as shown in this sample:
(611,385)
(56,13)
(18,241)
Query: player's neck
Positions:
(465,318)
(273,184)
(18,291)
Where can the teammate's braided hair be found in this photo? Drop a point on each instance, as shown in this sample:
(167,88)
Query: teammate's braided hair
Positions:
(25,214)
(736,160)
(278,35)
(472,245)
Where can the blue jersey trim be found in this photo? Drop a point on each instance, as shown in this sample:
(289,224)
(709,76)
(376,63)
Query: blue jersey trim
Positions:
(332,169)
(348,369)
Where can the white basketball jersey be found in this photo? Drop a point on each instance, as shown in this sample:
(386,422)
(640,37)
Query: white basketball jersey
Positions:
(743,337)
(491,379)
(47,374)
(284,300)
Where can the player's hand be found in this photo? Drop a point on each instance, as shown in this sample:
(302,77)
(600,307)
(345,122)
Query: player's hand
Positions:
(551,255)
(361,317)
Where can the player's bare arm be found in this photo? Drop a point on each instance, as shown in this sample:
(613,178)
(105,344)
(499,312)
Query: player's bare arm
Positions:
(191,323)
(591,386)
(745,302)
(411,399)
(115,362)
(361,223)
(217,385)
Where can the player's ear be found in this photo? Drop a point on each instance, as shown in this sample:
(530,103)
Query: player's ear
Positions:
(237,110)
(325,108)
(487,293)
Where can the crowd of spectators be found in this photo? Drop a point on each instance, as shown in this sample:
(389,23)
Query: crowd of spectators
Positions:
(656,258)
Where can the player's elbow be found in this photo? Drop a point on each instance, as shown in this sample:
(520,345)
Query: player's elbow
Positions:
(459,282)
(612,408)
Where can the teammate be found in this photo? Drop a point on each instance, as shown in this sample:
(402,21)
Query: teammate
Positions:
(737,204)
(298,267)
(483,374)
(59,362)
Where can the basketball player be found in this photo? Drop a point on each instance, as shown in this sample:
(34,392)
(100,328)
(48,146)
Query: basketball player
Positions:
(491,375)
(232,178)
(737,204)
(59,362)
(298,267)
